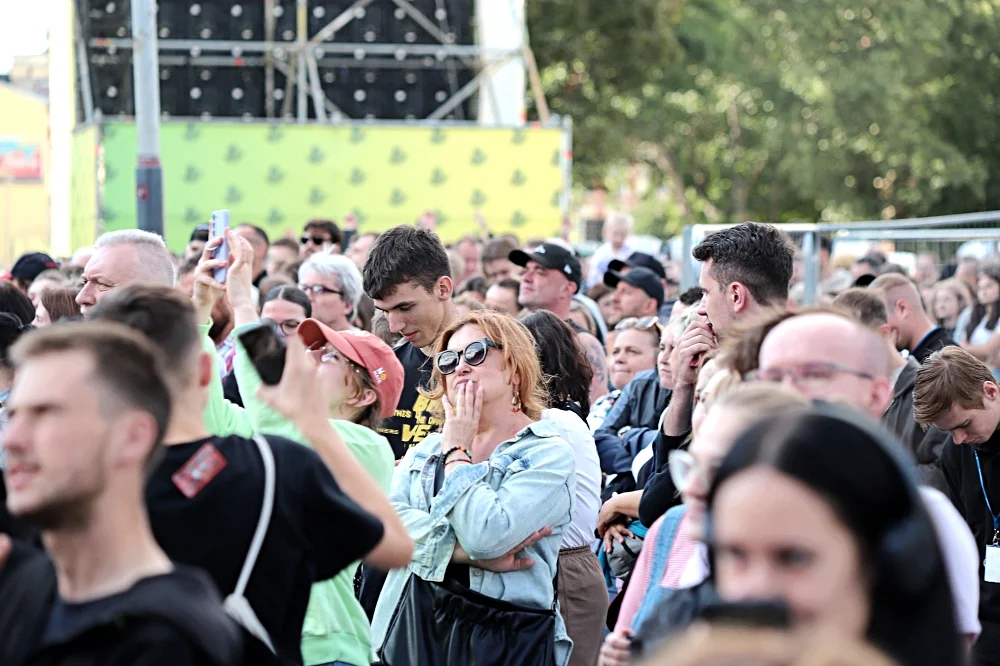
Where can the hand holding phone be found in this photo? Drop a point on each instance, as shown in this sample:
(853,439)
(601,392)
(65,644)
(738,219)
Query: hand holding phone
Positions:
(217,229)
(267,352)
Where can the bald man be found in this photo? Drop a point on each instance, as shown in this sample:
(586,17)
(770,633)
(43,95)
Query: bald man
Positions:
(914,329)
(827,356)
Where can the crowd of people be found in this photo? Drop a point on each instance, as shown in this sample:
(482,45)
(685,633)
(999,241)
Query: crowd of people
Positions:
(373,448)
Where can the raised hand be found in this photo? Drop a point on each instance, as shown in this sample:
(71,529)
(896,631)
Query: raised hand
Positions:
(461,420)
(206,290)
(298,396)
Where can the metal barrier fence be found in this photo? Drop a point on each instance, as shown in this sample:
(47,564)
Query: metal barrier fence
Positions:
(942,235)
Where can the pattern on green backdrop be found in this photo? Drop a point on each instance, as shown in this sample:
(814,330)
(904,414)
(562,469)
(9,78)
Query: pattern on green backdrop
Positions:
(280,176)
(83,187)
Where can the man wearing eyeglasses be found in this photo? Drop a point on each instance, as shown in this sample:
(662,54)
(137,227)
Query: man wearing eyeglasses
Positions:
(319,236)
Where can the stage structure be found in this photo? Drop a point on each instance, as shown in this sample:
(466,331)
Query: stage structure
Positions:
(288,110)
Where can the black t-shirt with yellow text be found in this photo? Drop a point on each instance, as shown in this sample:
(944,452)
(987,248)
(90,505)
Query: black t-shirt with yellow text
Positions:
(414,418)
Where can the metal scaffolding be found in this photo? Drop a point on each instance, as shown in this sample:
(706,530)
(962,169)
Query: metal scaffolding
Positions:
(300,60)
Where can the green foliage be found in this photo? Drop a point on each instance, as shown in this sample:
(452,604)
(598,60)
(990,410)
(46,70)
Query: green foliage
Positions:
(778,109)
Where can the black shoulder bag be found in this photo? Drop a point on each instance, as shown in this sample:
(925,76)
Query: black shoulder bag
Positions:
(448,623)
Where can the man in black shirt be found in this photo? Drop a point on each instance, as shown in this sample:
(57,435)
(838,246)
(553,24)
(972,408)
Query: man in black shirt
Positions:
(408,275)
(914,329)
(959,394)
(205,497)
(89,410)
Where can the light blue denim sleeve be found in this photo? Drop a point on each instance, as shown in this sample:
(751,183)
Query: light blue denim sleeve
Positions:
(536,492)
(433,536)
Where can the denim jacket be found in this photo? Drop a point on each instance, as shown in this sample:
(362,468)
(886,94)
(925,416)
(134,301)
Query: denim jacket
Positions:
(527,484)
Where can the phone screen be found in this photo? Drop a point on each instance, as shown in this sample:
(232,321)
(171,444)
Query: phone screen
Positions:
(267,352)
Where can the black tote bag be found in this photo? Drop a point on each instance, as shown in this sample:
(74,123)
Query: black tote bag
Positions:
(447,623)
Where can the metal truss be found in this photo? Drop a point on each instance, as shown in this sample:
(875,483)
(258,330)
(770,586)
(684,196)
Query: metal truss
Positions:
(299,61)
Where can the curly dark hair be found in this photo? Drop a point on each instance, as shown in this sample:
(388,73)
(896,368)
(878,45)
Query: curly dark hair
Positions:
(567,371)
(758,256)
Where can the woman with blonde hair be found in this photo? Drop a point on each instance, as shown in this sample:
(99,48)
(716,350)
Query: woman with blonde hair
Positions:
(948,299)
(486,501)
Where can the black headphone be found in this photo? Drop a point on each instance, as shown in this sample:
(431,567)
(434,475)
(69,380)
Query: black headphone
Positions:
(905,555)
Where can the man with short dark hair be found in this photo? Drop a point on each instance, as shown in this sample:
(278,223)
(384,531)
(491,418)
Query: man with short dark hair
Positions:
(205,499)
(638,293)
(502,296)
(408,275)
(319,236)
(915,331)
(282,253)
(497,265)
(745,269)
(86,420)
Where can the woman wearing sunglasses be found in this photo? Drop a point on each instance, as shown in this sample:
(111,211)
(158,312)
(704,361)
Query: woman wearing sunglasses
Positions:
(673,555)
(361,381)
(488,499)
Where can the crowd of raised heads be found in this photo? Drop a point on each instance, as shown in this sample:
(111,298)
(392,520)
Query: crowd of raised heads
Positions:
(351,448)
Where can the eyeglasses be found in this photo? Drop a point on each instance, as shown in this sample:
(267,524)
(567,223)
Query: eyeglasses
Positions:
(641,323)
(805,373)
(287,327)
(474,353)
(684,469)
(318,289)
(315,240)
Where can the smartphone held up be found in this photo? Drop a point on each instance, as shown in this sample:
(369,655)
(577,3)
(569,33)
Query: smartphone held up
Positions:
(217,229)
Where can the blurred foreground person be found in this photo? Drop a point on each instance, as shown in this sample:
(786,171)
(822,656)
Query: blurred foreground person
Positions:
(487,503)
(819,508)
(207,497)
(729,646)
(86,424)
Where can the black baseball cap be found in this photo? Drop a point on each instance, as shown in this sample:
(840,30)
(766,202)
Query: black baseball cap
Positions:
(639,260)
(200,233)
(551,256)
(29,265)
(640,277)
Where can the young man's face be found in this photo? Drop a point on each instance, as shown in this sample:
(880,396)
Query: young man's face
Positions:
(497,270)
(416,313)
(971,425)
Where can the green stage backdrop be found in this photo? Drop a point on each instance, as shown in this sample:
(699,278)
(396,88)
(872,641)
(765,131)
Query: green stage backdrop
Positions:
(279,176)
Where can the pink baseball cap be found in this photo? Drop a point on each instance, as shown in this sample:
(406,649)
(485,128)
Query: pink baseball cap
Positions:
(368,351)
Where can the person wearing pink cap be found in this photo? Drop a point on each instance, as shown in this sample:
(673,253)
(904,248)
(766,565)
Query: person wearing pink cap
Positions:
(361,380)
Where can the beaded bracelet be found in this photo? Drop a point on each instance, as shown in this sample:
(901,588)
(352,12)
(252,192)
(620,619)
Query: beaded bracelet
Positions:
(460,460)
(452,450)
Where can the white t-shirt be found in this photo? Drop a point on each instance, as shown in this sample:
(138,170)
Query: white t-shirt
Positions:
(961,558)
(587,503)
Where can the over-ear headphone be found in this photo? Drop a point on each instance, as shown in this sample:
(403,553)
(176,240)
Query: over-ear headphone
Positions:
(909,552)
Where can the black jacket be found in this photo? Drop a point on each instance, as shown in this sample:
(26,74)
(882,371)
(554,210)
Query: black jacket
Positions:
(925,446)
(170,620)
(934,341)
(958,463)
(638,408)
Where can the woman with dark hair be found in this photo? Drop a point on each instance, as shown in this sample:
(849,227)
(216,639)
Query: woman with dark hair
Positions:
(55,304)
(15,306)
(567,375)
(287,306)
(13,301)
(475,288)
(976,324)
(818,507)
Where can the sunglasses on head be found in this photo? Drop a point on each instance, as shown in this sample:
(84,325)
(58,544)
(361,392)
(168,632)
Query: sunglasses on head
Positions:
(315,240)
(474,353)
(641,323)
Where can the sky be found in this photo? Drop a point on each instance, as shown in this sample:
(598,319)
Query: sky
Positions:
(23,27)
